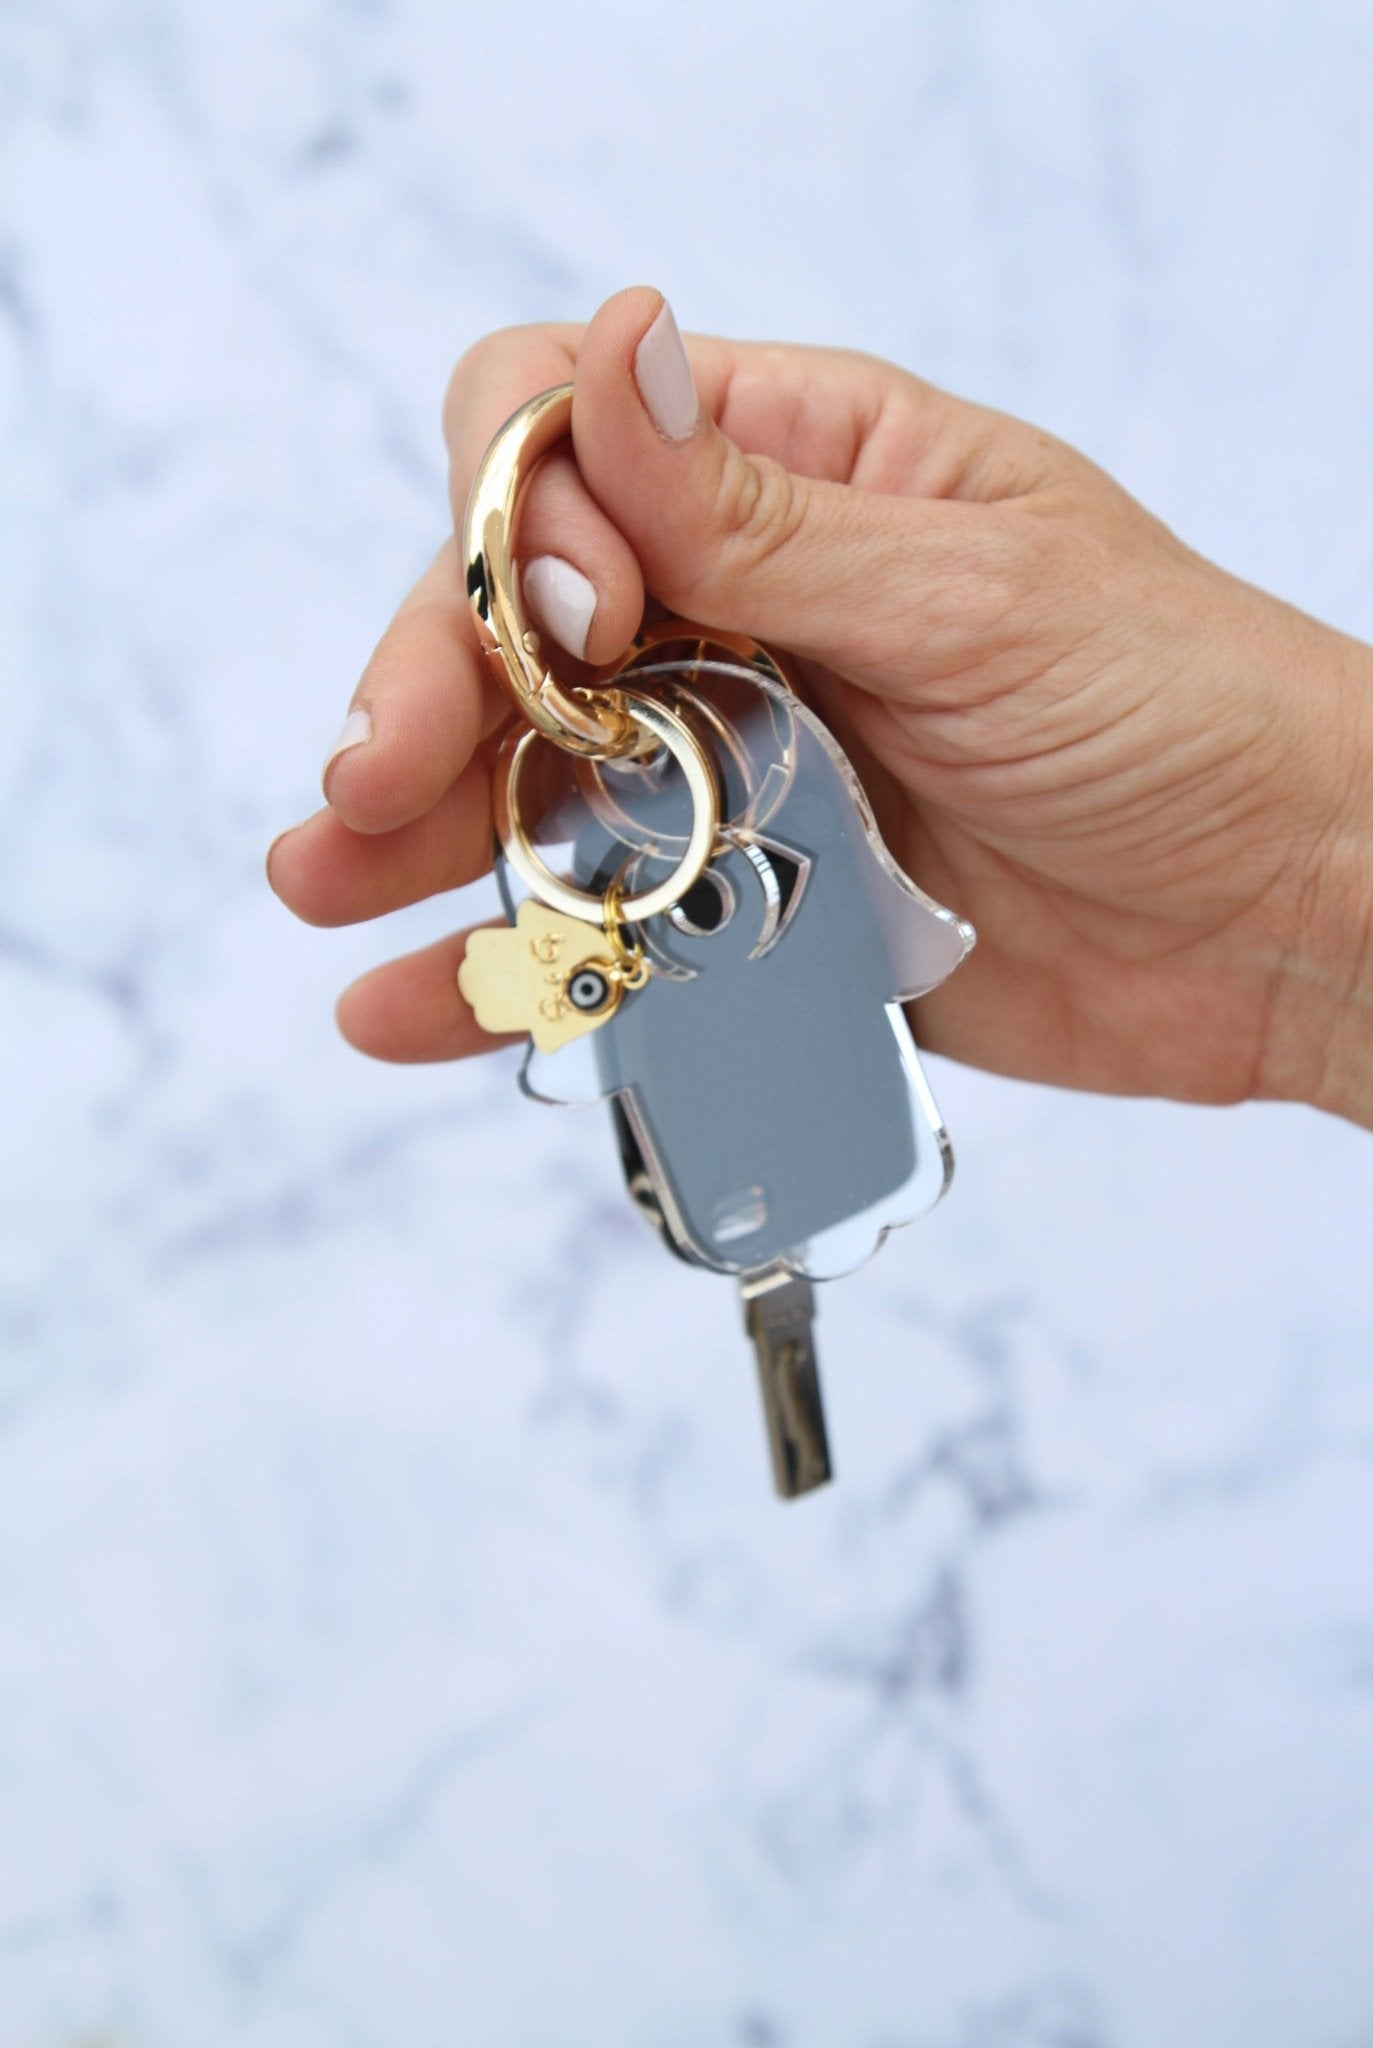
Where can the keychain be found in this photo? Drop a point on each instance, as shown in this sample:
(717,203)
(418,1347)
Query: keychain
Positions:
(707,932)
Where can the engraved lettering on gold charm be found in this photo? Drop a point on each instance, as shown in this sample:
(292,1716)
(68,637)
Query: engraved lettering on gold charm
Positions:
(550,975)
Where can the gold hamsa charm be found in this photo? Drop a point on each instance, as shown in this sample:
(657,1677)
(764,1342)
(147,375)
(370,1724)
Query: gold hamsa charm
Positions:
(552,976)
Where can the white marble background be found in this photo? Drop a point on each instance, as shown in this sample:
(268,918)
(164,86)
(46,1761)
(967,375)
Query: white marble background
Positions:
(399,1644)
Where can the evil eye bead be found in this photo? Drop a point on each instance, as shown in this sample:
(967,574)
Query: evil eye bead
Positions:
(590,991)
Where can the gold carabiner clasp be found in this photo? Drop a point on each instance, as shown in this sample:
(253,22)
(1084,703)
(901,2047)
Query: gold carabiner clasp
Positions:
(593,723)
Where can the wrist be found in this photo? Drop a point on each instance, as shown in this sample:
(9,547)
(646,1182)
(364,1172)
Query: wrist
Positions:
(1320,1035)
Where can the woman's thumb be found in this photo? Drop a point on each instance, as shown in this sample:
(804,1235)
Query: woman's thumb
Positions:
(729,537)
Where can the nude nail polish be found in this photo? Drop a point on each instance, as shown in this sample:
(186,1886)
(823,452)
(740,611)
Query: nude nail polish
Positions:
(663,376)
(356,728)
(563,598)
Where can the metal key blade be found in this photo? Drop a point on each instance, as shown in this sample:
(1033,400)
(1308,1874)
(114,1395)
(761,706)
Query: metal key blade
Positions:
(779,1316)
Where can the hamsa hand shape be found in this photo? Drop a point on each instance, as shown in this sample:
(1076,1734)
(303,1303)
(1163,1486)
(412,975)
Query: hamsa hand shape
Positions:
(766,1083)
(546,974)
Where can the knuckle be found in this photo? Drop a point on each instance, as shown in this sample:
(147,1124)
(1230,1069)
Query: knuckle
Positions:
(760,508)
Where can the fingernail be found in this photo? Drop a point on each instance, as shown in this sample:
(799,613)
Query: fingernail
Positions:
(563,598)
(356,728)
(663,375)
(272,849)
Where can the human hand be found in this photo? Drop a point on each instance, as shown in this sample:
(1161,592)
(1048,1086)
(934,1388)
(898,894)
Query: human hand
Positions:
(1148,785)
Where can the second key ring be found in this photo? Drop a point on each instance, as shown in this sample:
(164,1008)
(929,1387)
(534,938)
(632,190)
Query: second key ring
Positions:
(671,730)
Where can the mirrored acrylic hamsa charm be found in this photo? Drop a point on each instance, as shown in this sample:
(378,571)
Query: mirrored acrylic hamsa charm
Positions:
(770,1101)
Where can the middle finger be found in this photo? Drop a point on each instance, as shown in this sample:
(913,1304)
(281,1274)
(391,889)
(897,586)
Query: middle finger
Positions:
(330,875)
